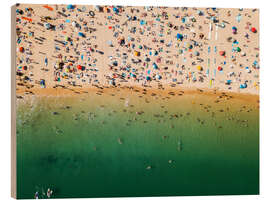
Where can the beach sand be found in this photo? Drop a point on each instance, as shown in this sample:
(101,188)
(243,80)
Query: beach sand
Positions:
(156,31)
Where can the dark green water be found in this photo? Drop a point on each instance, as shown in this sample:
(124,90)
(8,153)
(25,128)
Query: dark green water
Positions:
(176,147)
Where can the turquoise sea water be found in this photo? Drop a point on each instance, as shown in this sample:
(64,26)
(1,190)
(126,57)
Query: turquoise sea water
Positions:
(132,144)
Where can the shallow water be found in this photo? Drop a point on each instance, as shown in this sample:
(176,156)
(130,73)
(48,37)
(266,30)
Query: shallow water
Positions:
(98,146)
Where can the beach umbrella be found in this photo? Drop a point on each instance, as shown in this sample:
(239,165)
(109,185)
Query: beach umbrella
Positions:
(115,9)
(183,20)
(179,36)
(220,68)
(155,66)
(234,30)
(142,22)
(222,53)
(147,59)
(228,82)
(243,86)
(42,82)
(21,49)
(136,53)
(81,34)
(148,78)
(199,68)
(253,29)
(70,6)
(106,9)
(19,11)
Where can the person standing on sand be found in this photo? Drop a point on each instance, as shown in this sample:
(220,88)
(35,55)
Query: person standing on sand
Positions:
(46,61)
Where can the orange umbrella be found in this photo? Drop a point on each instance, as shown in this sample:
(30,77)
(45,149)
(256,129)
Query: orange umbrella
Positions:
(48,7)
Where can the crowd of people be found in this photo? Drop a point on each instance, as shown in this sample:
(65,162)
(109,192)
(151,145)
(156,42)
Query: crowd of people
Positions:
(85,46)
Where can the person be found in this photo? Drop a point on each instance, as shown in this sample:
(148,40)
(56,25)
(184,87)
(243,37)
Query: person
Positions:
(49,193)
(36,195)
(46,61)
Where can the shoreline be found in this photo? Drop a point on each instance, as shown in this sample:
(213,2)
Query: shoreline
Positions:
(73,91)
(153,86)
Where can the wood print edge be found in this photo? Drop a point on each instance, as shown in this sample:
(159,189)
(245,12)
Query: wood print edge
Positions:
(13,104)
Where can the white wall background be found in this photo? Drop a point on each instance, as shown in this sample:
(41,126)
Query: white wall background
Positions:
(265,95)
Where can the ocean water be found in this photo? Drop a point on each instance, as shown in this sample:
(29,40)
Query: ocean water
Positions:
(125,143)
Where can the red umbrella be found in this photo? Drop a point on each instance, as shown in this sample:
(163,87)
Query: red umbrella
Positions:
(222,53)
(253,29)
(79,67)
(220,68)
(21,49)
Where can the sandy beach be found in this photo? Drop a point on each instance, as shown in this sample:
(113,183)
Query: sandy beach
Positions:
(86,46)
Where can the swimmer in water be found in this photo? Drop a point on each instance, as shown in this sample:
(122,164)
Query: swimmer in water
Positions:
(49,193)
(36,195)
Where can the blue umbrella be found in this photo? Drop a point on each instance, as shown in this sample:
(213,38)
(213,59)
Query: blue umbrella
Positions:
(179,36)
(155,66)
(148,78)
(81,34)
(70,6)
